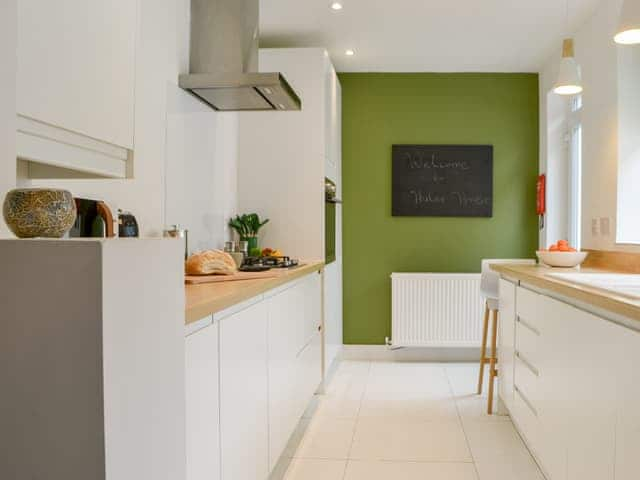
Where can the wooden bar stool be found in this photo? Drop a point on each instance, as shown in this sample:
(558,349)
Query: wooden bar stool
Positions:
(490,291)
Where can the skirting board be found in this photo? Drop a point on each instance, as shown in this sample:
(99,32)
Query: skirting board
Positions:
(417,354)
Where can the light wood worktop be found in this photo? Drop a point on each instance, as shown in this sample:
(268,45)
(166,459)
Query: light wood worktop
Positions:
(539,276)
(210,298)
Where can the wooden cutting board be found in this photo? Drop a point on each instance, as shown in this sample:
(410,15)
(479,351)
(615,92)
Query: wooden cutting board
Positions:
(198,279)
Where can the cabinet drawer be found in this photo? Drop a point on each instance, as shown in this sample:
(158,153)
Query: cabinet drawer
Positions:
(528,342)
(528,307)
(527,381)
(526,421)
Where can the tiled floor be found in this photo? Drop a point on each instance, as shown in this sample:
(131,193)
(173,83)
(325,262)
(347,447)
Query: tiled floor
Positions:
(408,421)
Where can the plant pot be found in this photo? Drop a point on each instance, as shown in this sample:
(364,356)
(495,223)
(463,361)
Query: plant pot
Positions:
(39,212)
(252,243)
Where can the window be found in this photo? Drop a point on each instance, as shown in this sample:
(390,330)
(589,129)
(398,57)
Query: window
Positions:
(628,224)
(575,172)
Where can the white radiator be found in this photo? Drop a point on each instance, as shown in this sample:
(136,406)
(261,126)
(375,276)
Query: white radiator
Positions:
(436,310)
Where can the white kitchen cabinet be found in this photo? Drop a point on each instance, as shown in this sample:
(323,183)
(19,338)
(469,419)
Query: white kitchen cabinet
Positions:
(93,360)
(86,49)
(294,358)
(592,361)
(202,404)
(628,402)
(301,146)
(286,339)
(76,81)
(332,313)
(507,338)
(244,430)
(333,122)
(575,402)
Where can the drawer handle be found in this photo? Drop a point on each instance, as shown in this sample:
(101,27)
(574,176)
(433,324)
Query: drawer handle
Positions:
(527,363)
(528,326)
(525,400)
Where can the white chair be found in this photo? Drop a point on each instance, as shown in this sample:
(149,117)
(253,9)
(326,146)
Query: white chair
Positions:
(489,290)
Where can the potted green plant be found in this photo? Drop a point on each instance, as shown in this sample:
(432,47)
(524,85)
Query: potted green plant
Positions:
(247,226)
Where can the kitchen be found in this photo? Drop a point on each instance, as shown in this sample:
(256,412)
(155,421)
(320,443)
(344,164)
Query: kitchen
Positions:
(332,368)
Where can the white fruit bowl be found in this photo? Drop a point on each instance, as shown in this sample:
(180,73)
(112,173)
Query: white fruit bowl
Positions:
(562,259)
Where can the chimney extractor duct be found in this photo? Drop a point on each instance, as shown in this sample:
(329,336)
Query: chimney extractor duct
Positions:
(224,60)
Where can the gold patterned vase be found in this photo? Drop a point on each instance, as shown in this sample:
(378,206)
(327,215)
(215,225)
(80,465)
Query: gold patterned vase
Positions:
(39,212)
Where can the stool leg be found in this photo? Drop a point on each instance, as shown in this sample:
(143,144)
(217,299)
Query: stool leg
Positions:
(493,372)
(483,348)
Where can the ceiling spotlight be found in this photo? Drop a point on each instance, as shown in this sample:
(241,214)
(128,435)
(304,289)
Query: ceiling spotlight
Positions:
(336,6)
(629,28)
(349,53)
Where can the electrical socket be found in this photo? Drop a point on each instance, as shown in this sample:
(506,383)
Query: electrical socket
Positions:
(595,227)
(605,226)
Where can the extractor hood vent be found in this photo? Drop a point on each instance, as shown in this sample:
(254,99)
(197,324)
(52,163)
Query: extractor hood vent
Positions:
(224,60)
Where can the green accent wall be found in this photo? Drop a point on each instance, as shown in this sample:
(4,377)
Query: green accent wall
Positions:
(382,109)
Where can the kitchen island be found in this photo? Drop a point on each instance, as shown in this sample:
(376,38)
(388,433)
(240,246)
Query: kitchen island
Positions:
(569,362)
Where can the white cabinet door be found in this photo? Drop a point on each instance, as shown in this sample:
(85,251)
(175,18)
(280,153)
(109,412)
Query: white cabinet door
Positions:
(244,394)
(203,405)
(286,339)
(507,337)
(294,358)
(578,392)
(76,66)
(332,121)
(332,313)
(628,421)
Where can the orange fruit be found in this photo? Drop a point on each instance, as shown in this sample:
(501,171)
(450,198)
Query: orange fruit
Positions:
(553,248)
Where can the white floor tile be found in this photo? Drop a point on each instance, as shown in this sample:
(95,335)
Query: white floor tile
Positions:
(520,468)
(492,441)
(411,369)
(464,379)
(406,421)
(327,438)
(424,406)
(353,368)
(304,469)
(344,405)
(474,408)
(376,470)
(347,385)
(409,439)
(414,378)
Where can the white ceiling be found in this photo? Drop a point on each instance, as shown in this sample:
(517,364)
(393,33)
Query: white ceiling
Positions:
(425,35)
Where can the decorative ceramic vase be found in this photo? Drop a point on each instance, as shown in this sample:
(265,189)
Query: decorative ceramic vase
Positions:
(39,212)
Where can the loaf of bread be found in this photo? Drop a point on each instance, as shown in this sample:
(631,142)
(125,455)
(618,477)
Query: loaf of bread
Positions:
(210,262)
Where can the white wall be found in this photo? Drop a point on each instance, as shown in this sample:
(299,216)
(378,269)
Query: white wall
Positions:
(281,165)
(597,54)
(185,160)
(8,36)
(629,143)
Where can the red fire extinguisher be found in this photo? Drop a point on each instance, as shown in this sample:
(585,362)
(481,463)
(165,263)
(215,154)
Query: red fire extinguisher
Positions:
(541,198)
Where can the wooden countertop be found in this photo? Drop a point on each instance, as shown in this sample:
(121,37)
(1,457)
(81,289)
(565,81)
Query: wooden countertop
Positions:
(539,276)
(210,298)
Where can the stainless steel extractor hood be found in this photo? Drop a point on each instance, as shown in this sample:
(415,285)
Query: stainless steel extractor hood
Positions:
(224,60)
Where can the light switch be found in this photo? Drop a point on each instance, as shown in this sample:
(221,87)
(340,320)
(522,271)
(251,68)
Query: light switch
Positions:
(595,226)
(605,226)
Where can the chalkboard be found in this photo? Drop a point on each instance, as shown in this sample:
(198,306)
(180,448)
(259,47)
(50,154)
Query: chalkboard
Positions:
(442,181)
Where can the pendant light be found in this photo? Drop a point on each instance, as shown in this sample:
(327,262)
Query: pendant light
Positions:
(569,80)
(628,32)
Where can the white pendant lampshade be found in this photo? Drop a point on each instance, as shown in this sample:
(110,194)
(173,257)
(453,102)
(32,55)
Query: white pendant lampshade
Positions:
(628,32)
(569,80)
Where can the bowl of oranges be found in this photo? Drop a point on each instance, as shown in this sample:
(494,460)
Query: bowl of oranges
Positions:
(561,254)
